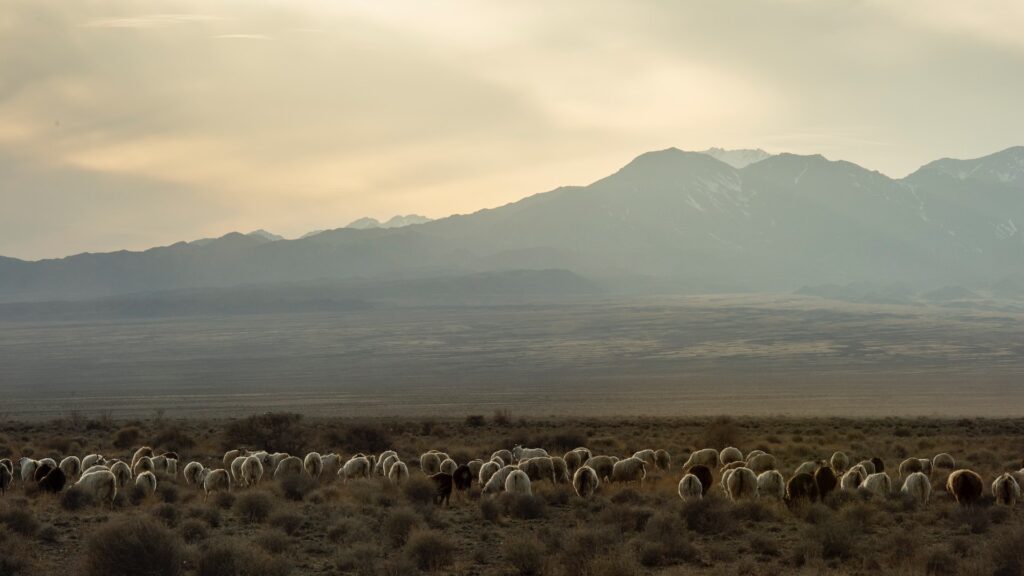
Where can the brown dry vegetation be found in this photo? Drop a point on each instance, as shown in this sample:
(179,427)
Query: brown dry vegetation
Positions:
(369,527)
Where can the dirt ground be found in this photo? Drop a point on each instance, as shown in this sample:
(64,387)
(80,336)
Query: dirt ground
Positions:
(372,527)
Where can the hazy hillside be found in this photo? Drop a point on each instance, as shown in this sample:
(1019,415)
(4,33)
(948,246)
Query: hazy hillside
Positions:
(678,220)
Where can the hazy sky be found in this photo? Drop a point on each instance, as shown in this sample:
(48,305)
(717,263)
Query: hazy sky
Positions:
(128,124)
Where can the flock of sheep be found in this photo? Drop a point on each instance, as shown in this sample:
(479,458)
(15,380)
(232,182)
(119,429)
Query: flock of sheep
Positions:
(515,471)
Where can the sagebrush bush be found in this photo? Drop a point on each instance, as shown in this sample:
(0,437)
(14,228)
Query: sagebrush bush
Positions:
(273,541)
(296,486)
(127,437)
(524,553)
(223,500)
(194,530)
(273,432)
(286,521)
(399,524)
(430,549)
(490,510)
(419,490)
(130,546)
(225,557)
(168,513)
(253,507)
(15,557)
(20,519)
(707,516)
(524,506)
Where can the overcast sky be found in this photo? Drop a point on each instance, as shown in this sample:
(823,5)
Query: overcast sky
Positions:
(129,124)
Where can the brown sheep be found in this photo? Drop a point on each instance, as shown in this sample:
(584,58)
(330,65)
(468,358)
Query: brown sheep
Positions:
(965,486)
(703,473)
(801,486)
(662,459)
(41,472)
(442,488)
(54,481)
(825,481)
(879,465)
(462,478)
(6,477)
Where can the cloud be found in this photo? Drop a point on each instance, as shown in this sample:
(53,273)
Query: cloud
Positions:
(149,20)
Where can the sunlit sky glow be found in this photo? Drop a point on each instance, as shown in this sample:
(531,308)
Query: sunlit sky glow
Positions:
(129,124)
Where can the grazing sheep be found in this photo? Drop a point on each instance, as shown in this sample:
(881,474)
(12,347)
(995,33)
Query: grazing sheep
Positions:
(943,461)
(100,467)
(801,487)
(28,468)
(631,469)
(703,473)
(448,466)
(357,466)
(573,461)
(496,483)
(236,471)
(723,481)
(504,455)
(122,473)
(771,484)
(313,465)
(384,462)
(1006,490)
(742,483)
(584,452)
(879,465)
(877,484)
(585,481)
(6,463)
(92,460)
(807,468)
(965,486)
(761,462)
(332,463)
(706,457)
(290,466)
(520,453)
(560,470)
(475,466)
(442,488)
(753,453)
(826,481)
(171,468)
(171,455)
(734,465)
(430,463)
(853,478)
(101,485)
(160,463)
(518,483)
(55,480)
(191,474)
(917,487)
(730,454)
(662,459)
(839,461)
(462,478)
(909,466)
(646,455)
(230,456)
(603,465)
(690,488)
(398,473)
(486,471)
(147,483)
(868,466)
(144,464)
(42,470)
(926,466)
(6,477)
(215,481)
(139,454)
(252,471)
(70,466)
(274,460)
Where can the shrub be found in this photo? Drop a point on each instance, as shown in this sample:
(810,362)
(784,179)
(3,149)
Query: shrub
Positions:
(763,545)
(475,420)
(274,432)
(208,514)
(942,563)
(223,500)
(167,491)
(20,519)
(127,437)
(490,510)
(173,439)
(253,507)
(502,417)
(193,530)
(524,506)
(168,513)
(131,546)
(348,530)
(273,541)
(837,538)
(288,522)
(1006,552)
(296,486)
(419,490)
(229,558)
(358,559)
(365,438)
(579,544)
(430,549)
(524,553)
(707,516)
(15,558)
(722,432)
(399,524)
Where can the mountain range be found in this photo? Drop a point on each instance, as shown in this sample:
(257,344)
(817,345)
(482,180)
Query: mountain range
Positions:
(669,221)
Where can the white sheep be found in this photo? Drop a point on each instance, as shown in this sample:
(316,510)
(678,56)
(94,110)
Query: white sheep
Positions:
(356,467)
(771,484)
(398,473)
(690,488)
(274,460)
(98,467)
(853,478)
(70,466)
(91,460)
(806,468)
(761,462)
(448,466)
(289,466)
(840,462)
(313,464)
(1006,490)
(926,466)
(723,482)
(706,457)
(191,474)
(662,459)
(215,481)
(504,455)
(538,468)
(171,467)
(518,483)
(123,474)
(430,463)
(384,461)
(742,484)
(560,470)
(236,470)
(573,460)
(603,465)
(252,471)
(28,468)
(520,453)
(139,454)
(910,465)
(629,470)
(147,483)
(944,461)
(474,467)
(917,487)
(230,456)
(332,462)
(144,464)
(647,455)
(496,483)
(100,485)
(486,471)
(868,466)
(585,481)
(730,454)
(877,484)
(160,463)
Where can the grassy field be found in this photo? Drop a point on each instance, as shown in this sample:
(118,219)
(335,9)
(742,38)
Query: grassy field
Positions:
(744,354)
(371,527)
